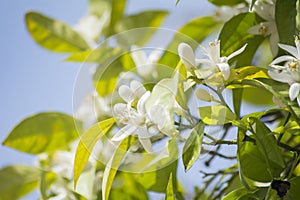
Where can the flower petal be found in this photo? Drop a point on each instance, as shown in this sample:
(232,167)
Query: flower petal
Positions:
(144,138)
(124,132)
(274,39)
(292,50)
(138,55)
(294,91)
(225,69)
(283,77)
(254,30)
(207,62)
(126,93)
(137,88)
(237,52)
(187,55)
(141,103)
(282,59)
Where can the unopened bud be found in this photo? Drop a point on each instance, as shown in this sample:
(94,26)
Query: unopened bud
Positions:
(203,95)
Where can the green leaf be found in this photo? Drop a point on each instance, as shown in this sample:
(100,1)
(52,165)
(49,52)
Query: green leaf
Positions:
(193,32)
(99,7)
(216,115)
(234,35)
(237,96)
(240,194)
(170,190)
(226,3)
(54,35)
(157,175)
(252,161)
(87,143)
(192,146)
(285,18)
(146,19)
(43,132)
(117,11)
(106,75)
(294,192)
(267,143)
(113,166)
(17,181)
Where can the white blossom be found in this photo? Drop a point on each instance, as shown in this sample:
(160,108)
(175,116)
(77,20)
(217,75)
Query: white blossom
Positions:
(225,13)
(266,10)
(215,62)
(145,65)
(289,72)
(90,27)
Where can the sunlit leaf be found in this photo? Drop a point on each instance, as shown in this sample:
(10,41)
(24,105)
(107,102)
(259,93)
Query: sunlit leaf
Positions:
(285,18)
(170,189)
(240,194)
(193,33)
(113,166)
(143,19)
(216,115)
(43,132)
(117,11)
(54,35)
(17,181)
(192,146)
(106,76)
(87,143)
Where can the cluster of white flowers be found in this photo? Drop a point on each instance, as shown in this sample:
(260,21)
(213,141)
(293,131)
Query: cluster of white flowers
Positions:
(135,118)
(288,72)
(215,62)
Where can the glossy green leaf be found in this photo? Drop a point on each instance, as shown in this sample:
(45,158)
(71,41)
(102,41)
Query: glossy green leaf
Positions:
(193,33)
(234,35)
(54,35)
(226,3)
(237,96)
(117,11)
(192,146)
(87,143)
(106,76)
(113,166)
(170,195)
(253,163)
(150,19)
(216,115)
(43,132)
(267,143)
(240,194)
(285,18)
(17,181)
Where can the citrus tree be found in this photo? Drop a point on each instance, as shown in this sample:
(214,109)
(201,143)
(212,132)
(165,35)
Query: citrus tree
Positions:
(222,87)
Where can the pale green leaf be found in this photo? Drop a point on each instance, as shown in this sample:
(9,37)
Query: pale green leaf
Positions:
(170,189)
(149,19)
(216,115)
(54,35)
(117,11)
(113,166)
(192,146)
(87,143)
(43,132)
(17,181)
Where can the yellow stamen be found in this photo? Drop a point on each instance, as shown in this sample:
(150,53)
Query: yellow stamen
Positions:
(293,65)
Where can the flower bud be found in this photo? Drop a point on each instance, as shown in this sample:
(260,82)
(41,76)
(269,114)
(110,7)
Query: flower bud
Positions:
(203,95)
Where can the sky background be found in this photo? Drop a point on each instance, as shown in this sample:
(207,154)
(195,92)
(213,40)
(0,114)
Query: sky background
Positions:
(35,80)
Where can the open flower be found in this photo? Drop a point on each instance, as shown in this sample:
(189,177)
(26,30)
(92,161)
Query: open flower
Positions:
(145,65)
(289,72)
(266,10)
(215,62)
